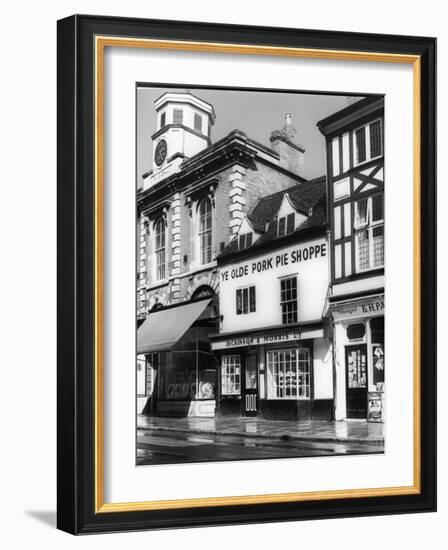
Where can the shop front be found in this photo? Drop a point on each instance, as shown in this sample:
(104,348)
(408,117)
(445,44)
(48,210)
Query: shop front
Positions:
(179,368)
(359,358)
(283,374)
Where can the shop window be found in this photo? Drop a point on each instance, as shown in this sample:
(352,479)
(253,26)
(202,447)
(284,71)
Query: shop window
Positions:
(152,364)
(378,358)
(368,142)
(356,332)
(245,300)
(288,300)
(141,375)
(205,230)
(231,375)
(289,374)
(159,247)
(369,233)
(244,241)
(286,224)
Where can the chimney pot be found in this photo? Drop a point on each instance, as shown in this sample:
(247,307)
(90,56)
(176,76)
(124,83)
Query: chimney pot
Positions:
(288,119)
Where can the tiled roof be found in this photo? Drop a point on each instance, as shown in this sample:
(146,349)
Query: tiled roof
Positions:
(303,196)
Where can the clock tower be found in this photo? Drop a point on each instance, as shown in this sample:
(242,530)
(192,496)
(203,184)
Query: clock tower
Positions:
(183,129)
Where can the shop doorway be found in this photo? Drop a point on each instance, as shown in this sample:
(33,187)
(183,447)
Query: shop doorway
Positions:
(250,400)
(356,375)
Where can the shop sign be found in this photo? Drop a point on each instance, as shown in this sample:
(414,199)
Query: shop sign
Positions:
(264,339)
(276,261)
(355,310)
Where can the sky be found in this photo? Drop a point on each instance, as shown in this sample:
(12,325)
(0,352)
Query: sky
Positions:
(254,112)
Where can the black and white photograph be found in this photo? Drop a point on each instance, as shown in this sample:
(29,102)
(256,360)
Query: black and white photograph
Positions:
(260,274)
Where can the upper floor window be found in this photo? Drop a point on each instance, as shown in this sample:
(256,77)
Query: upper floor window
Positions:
(178,116)
(286,224)
(369,233)
(205,230)
(368,142)
(162,120)
(244,241)
(197,122)
(288,299)
(159,247)
(245,300)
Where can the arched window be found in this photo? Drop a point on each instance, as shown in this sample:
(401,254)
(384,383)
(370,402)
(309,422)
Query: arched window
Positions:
(205,230)
(159,247)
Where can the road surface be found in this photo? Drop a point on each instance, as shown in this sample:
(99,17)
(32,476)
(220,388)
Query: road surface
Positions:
(168,447)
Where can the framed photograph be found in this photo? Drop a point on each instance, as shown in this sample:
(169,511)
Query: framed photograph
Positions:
(246,274)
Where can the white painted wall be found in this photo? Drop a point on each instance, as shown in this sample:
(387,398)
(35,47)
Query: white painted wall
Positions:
(312,284)
(323,369)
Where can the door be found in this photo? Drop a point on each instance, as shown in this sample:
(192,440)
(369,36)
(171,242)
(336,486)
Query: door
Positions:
(356,365)
(250,385)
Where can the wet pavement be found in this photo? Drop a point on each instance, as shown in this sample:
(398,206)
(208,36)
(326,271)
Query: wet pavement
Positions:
(179,440)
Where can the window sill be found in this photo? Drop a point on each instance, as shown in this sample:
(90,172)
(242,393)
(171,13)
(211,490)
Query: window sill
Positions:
(158,284)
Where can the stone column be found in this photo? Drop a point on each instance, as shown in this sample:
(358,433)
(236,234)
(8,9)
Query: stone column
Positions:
(175,247)
(142,268)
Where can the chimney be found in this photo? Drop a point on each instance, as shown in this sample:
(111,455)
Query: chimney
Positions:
(285,143)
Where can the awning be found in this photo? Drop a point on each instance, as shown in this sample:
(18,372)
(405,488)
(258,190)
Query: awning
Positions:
(162,329)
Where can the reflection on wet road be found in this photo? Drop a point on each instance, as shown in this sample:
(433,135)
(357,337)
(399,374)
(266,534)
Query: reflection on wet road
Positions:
(168,447)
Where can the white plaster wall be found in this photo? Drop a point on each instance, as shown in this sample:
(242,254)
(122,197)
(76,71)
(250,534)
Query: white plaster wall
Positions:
(323,369)
(312,288)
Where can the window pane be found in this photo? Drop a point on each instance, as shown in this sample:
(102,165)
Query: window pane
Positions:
(281,226)
(378,245)
(361,212)
(160,248)
(197,122)
(288,300)
(289,374)
(205,230)
(290,223)
(362,238)
(239,302)
(230,375)
(375,139)
(360,136)
(377,208)
(252,299)
(162,120)
(178,116)
(245,300)
(249,239)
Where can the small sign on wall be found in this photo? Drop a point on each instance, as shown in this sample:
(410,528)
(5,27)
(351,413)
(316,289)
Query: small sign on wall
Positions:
(375,409)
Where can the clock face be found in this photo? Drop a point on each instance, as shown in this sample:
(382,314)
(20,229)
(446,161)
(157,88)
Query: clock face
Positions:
(160,153)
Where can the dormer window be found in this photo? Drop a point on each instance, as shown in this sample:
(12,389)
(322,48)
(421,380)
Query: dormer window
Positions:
(178,116)
(244,241)
(286,225)
(198,122)
(162,120)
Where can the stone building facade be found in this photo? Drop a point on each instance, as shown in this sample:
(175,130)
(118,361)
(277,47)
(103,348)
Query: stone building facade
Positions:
(220,181)
(191,206)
